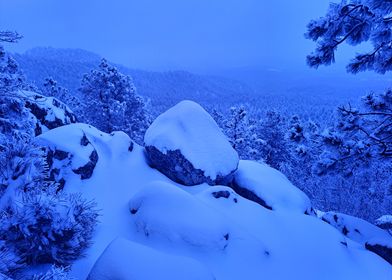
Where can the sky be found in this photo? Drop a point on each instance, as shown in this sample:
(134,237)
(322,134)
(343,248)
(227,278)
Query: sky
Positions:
(195,35)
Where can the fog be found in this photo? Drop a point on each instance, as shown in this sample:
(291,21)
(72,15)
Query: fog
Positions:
(196,35)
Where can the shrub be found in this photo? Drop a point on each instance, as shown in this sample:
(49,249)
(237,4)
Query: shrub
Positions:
(49,228)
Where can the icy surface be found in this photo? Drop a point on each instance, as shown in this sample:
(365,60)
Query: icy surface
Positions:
(189,128)
(127,260)
(272,186)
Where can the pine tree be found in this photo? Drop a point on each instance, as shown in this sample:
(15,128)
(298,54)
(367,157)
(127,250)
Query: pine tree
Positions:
(51,88)
(112,103)
(354,22)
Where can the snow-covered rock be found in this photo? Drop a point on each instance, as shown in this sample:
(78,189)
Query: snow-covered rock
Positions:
(192,223)
(356,229)
(370,236)
(384,222)
(269,188)
(48,112)
(71,148)
(186,144)
(163,210)
(127,260)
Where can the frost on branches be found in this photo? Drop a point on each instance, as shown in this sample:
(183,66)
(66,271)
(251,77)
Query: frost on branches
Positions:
(37,225)
(112,103)
(354,22)
(361,136)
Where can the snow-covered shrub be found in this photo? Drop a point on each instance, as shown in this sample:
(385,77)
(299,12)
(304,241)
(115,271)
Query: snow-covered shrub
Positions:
(49,228)
(55,273)
(22,163)
(9,262)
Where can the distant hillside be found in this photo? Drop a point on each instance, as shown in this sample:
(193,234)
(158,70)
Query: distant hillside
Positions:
(311,94)
(68,66)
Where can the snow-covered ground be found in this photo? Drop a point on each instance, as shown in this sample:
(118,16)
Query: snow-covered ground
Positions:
(153,228)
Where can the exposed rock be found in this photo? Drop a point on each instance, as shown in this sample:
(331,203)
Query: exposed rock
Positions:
(175,166)
(86,171)
(383,251)
(248,194)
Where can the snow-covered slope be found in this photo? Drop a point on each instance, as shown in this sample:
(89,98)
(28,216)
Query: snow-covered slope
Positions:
(210,230)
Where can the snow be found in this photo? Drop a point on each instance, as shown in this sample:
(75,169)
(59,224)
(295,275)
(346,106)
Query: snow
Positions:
(358,230)
(54,108)
(185,224)
(67,138)
(385,219)
(189,128)
(135,261)
(164,210)
(272,186)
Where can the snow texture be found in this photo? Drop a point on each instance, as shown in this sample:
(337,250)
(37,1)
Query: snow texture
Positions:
(127,260)
(165,210)
(189,128)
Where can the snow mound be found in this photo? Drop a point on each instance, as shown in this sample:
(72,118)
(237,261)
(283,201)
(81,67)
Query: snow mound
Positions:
(270,188)
(127,260)
(189,129)
(163,210)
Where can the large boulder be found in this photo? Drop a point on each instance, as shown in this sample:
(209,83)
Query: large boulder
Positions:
(269,188)
(186,145)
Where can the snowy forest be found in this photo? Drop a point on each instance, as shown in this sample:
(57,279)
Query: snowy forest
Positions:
(115,171)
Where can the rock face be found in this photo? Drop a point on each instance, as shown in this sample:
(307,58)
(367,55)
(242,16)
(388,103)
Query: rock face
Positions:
(383,250)
(186,145)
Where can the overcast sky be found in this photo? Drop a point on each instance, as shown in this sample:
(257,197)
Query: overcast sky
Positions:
(170,34)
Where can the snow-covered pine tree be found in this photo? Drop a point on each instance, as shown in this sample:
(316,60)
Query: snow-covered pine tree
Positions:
(51,88)
(354,22)
(241,131)
(112,103)
(273,130)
